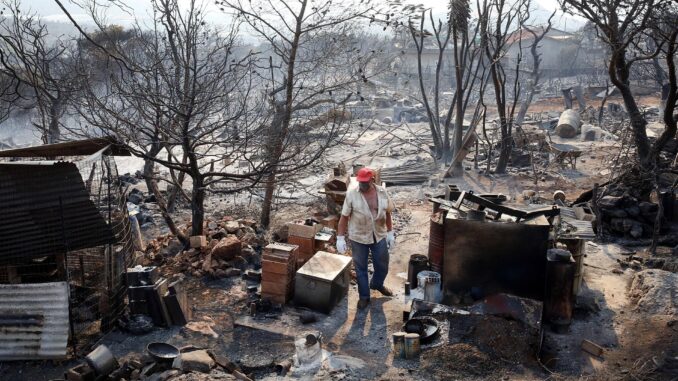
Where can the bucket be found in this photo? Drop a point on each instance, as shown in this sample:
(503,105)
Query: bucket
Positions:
(430,283)
(418,262)
(101,359)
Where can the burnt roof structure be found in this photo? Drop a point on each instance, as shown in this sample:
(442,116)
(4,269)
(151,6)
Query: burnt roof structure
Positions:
(73,148)
(46,210)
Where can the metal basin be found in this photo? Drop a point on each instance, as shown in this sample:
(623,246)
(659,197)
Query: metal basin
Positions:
(426,327)
(162,351)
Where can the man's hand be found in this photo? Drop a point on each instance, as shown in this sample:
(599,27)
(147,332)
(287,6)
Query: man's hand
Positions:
(390,239)
(341,244)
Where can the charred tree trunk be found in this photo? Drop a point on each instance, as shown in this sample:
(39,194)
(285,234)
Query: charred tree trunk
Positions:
(152,185)
(619,75)
(276,143)
(505,134)
(505,149)
(53,133)
(177,188)
(267,204)
(459,104)
(283,118)
(197,206)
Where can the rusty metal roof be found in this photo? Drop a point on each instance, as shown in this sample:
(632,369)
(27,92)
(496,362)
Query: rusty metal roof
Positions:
(33,321)
(46,210)
(74,148)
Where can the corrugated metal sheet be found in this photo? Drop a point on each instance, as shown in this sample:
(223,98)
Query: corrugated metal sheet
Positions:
(33,321)
(31,223)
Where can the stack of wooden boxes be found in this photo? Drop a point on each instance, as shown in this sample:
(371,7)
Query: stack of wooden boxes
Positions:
(278,266)
(303,236)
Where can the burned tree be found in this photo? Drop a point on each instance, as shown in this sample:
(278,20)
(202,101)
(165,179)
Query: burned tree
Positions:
(497,18)
(623,26)
(189,97)
(537,34)
(309,83)
(457,32)
(43,70)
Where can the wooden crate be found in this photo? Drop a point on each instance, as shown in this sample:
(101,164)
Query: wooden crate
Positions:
(280,252)
(306,245)
(277,291)
(270,277)
(268,266)
(330,222)
(297,228)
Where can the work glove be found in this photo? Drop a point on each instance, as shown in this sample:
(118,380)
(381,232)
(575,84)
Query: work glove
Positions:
(390,239)
(341,244)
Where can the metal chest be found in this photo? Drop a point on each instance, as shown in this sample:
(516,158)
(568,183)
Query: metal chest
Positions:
(322,281)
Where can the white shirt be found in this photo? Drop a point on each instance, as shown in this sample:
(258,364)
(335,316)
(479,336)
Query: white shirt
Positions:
(363,227)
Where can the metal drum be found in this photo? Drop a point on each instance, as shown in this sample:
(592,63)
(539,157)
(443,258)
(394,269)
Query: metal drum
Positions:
(436,243)
(569,124)
(559,300)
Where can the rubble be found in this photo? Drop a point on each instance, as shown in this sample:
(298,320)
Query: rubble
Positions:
(204,327)
(198,361)
(655,292)
(217,254)
(627,215)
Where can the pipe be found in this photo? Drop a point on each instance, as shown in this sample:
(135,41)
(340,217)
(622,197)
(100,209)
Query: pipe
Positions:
(283,367)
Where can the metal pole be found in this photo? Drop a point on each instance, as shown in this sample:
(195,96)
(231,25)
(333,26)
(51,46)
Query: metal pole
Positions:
(74,340)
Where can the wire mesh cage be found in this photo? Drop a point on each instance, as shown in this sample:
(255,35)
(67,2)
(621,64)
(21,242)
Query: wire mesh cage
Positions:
(97,275)
(81,234)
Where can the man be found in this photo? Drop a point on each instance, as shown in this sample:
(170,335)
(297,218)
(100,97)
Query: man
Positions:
(367,216)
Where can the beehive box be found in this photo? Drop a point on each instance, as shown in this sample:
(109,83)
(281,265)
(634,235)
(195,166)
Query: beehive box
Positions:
(278,265)
(299,229)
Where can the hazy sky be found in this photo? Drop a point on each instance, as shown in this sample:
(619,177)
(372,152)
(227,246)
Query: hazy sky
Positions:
(50,11)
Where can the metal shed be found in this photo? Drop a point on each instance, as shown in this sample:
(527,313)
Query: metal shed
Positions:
(65,233)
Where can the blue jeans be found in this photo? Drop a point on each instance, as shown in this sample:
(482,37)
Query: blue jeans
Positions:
(361,252)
